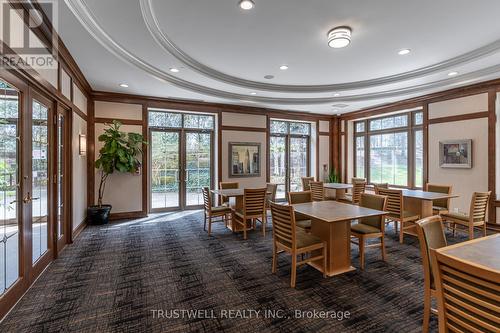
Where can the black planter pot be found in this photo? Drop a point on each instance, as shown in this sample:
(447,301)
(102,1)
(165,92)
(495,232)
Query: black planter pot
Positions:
(98,215)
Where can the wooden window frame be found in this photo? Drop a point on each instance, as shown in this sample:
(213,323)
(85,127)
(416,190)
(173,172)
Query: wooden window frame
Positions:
(411,128)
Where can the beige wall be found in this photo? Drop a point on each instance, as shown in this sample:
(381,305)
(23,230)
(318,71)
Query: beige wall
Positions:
(464,181)
(79,99)
(79,172)
(123,190)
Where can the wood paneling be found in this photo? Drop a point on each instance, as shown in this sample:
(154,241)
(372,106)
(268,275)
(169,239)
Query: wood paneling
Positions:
(244,129)
(123,121)
(466,116)
(492,153)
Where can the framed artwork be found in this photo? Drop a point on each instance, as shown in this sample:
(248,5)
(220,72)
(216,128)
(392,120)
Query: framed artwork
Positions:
(244,159)
(455,154)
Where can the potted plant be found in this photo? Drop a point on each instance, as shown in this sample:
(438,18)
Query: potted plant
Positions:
(121,152)
(333,177)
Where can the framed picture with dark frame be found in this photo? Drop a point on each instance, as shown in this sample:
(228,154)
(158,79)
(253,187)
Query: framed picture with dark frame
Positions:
(244,159)
(455,154)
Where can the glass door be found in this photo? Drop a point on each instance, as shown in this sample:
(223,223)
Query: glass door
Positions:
(197,166)
(299,162)
(10,204)
(278,164)
(39,180)
(165,169)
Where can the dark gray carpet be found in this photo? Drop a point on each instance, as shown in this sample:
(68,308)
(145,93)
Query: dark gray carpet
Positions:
(113,278)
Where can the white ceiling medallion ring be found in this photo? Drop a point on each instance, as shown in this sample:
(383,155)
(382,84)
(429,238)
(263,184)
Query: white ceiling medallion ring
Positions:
(246,4)
(168,45)
(339,37)
(87,19)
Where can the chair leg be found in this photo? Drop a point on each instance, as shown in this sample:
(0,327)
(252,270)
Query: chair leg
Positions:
(396,226)
(471,231)
(427,310)
(361,246)
(205,221)
(294,270)
(275,259)
(454,229)
(209,225)
(324,259)
(245,228)
(264,221)
(484,229)
(382,245)
(401,232)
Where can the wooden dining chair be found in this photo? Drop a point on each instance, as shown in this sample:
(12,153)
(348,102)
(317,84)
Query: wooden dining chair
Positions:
(370,227)
(270,194)
(476,217)
(254,209)
(211,212)
(301,220)
(397,214)
(380,185)
(467,295)
(439,206)
(317,191)
(288,238)
(358,187)
(226,186)
(305,183)
(431,235)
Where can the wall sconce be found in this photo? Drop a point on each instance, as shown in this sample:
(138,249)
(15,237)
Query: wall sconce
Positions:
(82,141)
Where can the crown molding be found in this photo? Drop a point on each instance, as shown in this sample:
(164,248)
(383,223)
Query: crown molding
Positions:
(88,20)
(163,40)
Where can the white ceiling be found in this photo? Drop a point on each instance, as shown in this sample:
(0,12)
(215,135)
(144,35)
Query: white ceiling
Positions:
(224,52)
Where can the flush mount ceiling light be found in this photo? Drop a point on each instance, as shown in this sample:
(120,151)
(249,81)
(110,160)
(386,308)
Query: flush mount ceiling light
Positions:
(269,77)
(246,4)
(452,73)
(253,93)
(336,94)
(174,70)
(339,37)
(404,51)
(123,85)
(283,67)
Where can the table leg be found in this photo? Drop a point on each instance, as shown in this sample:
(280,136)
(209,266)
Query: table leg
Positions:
(338,238)
(418,206)
(339,193)
(238,204)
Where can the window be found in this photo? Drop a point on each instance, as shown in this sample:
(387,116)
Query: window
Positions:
(289,146)
(390,149)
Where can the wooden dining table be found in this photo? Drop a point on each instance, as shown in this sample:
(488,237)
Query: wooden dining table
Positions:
(484,252)
(331,221)
(419,202)
(340,188)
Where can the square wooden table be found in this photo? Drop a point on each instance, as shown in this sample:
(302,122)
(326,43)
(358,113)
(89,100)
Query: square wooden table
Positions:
(331,221)
(484,252)
(420,202)
(340,188)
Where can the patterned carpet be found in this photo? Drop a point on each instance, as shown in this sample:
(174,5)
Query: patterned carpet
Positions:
(115,278)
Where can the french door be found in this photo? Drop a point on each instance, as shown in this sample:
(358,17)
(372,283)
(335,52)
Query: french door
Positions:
(33,186)
(181,165)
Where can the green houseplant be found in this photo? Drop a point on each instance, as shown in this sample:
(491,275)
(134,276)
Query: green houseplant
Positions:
(120,152)
(333,176)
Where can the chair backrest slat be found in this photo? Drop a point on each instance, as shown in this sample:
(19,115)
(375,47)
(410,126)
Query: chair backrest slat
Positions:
(359,186)
(317,191)
(254,201)
(283,224)
(305,183)
(394,200)
(207,199)
(468,295)
(479,206)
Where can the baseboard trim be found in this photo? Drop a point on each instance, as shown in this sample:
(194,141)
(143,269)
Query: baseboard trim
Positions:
(127,215)
(79,230)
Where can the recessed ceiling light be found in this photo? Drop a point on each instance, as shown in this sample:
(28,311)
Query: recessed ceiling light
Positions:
(404,51)
(339,37)
(336,94)
(253,93)
(452,73)
(174,70)
(246,4)
(123,85)
(283,67)
(269,77)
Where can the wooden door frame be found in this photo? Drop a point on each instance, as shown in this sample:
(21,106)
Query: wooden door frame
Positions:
(59,244)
